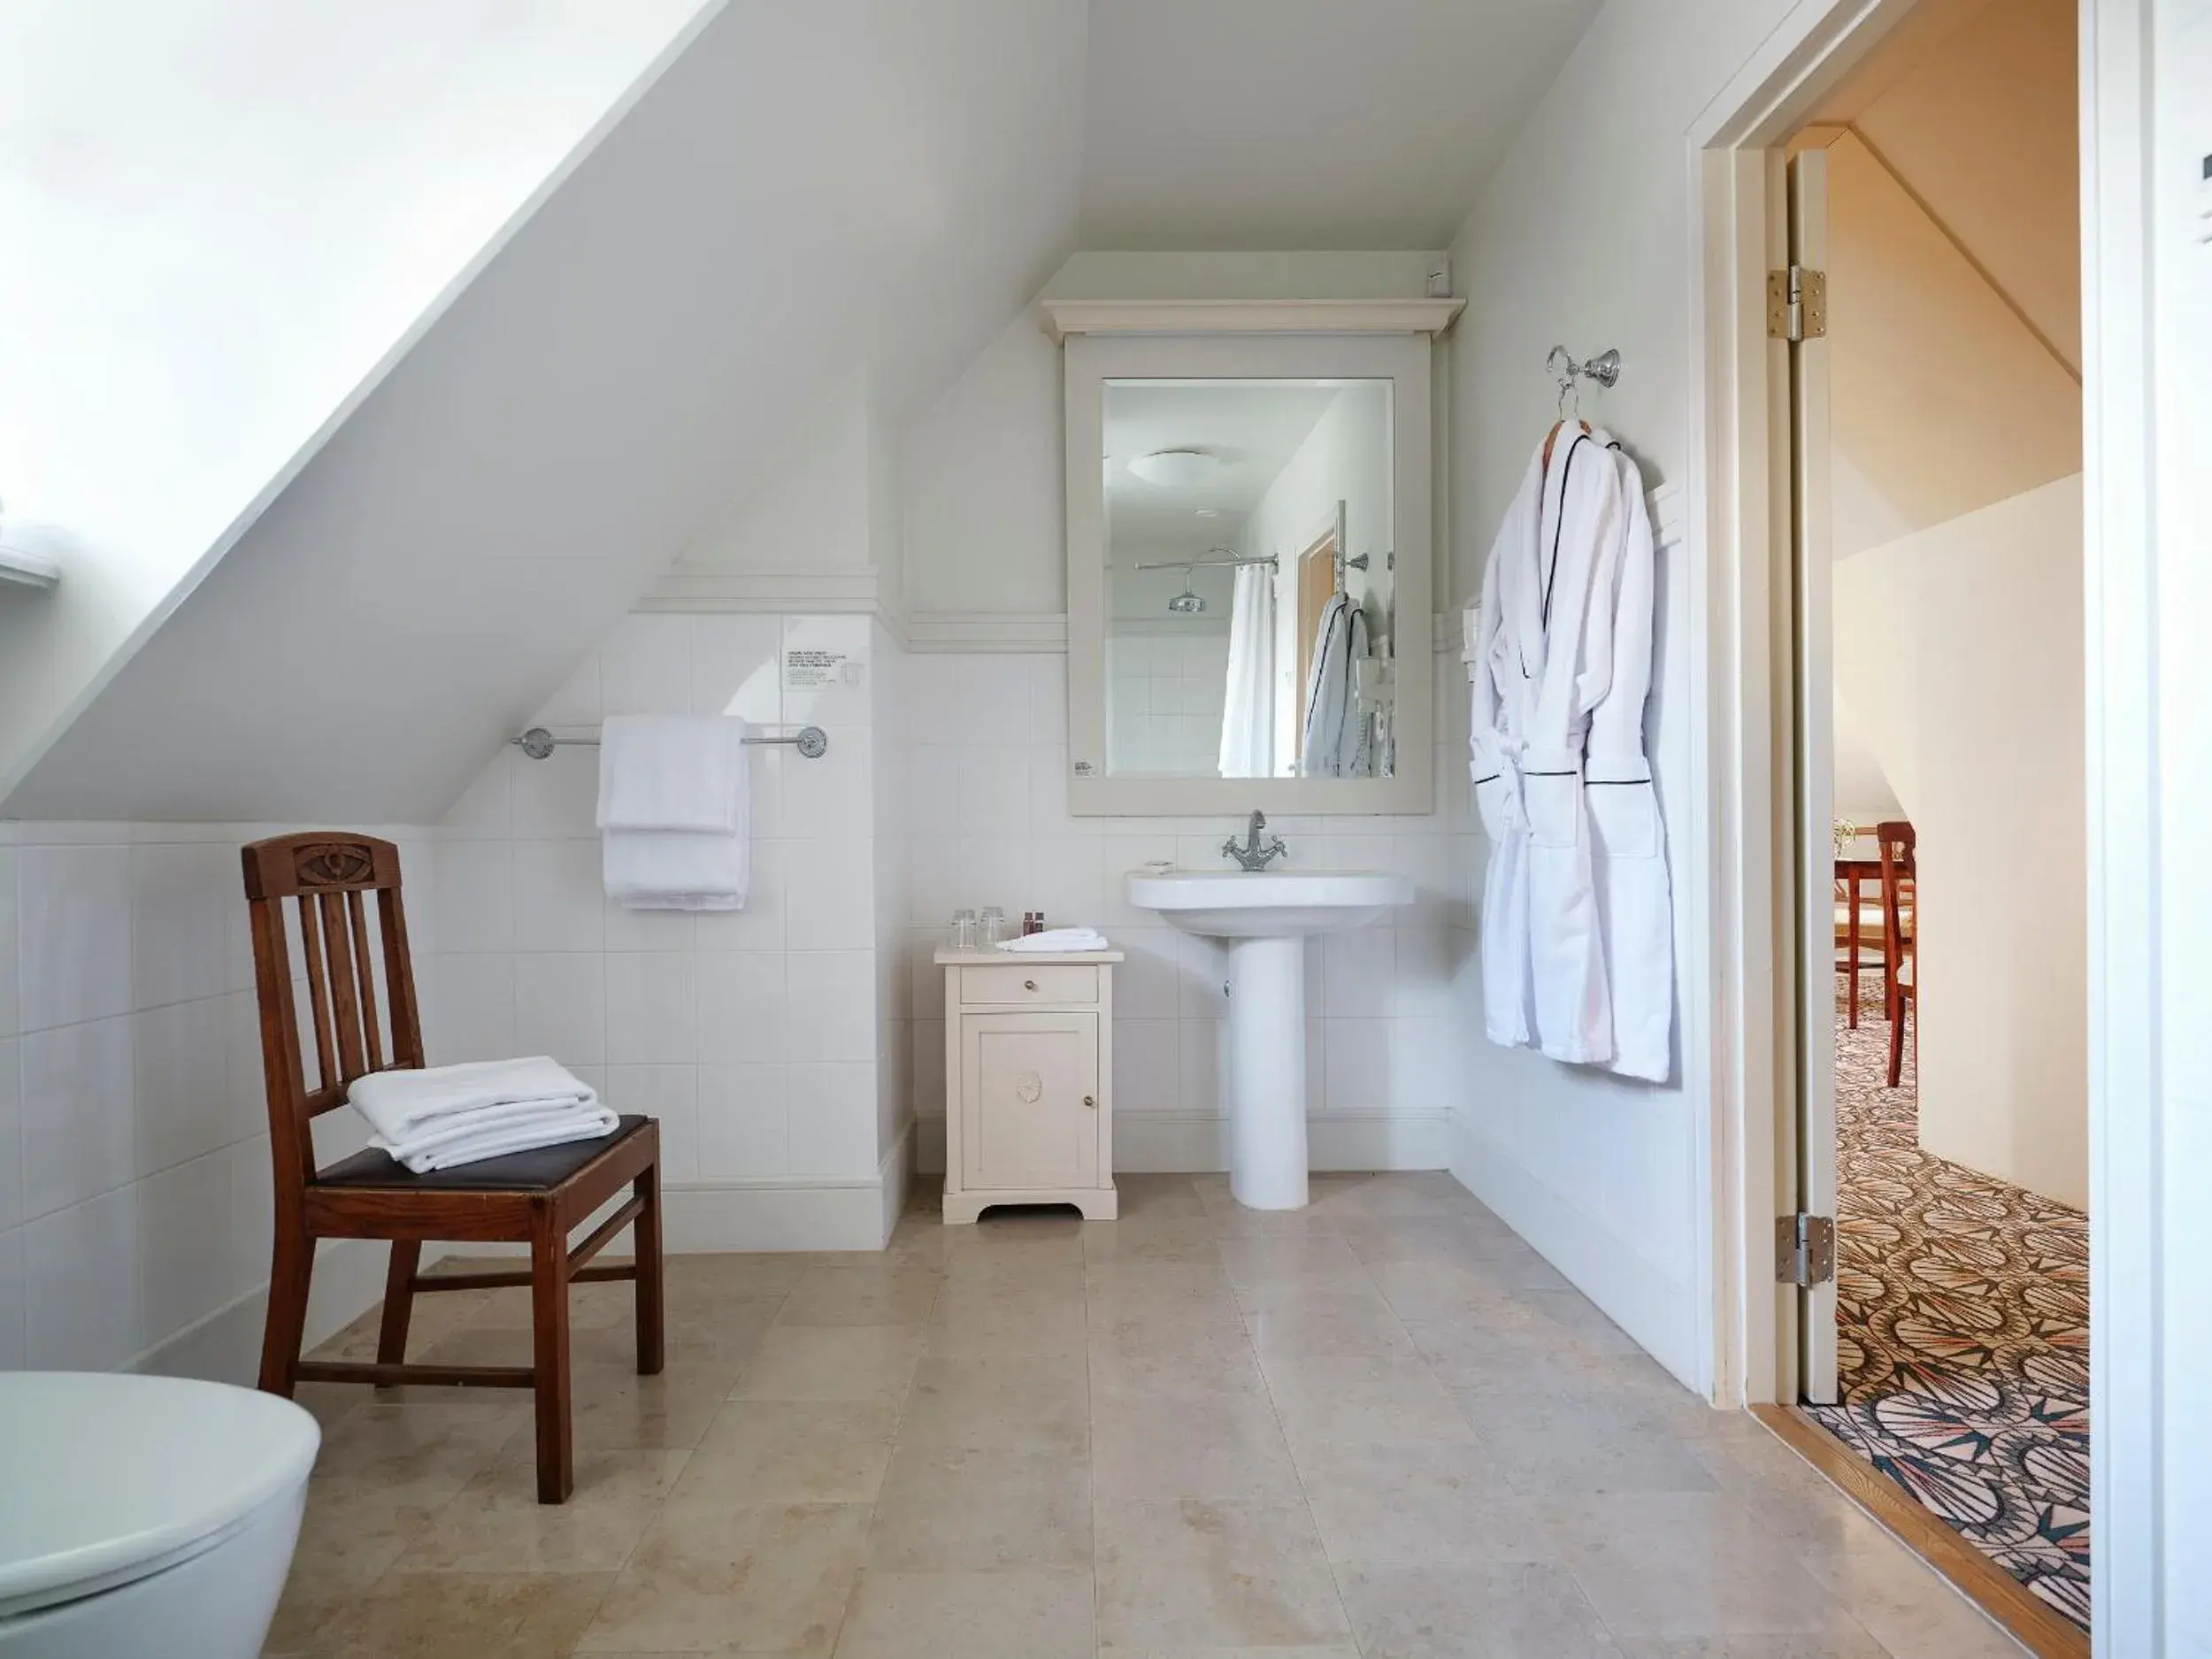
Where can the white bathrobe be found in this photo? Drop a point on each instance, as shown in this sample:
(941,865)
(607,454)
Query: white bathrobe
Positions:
(1551,623)
(1335,744)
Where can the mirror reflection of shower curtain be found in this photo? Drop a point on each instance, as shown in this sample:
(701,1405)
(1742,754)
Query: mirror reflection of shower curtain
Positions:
(1247,747)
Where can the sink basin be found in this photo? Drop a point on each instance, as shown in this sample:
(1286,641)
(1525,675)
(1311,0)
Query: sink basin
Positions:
(1266,918)
(1268,904)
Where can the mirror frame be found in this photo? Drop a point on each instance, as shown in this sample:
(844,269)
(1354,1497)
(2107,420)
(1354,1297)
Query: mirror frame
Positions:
(1403,356)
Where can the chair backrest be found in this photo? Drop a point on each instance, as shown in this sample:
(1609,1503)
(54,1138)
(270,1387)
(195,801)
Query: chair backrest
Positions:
(321,950)
(1896,842)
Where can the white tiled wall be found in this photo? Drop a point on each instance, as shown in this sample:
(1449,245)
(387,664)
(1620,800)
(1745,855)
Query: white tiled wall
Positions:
(991,826)
(134,1184)
(1165,694)
(752,1034)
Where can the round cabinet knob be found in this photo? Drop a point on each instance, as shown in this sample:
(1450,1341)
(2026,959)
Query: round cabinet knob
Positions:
(1091,1100)
(1029,985)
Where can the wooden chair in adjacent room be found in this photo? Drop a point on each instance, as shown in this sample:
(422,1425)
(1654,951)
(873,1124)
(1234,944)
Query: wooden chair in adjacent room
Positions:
(1895,843)
(1858,931)
(332,880)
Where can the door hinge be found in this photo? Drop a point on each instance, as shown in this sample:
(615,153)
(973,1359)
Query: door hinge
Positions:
(1797,303)
(1804,1249)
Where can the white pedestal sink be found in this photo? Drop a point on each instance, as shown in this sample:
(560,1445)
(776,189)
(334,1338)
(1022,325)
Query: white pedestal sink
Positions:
(1265,917)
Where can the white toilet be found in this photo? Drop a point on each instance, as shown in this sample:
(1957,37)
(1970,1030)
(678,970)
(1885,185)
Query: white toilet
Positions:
(145,1514)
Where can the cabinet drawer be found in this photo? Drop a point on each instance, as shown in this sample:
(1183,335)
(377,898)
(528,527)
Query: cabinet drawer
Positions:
(1061,982)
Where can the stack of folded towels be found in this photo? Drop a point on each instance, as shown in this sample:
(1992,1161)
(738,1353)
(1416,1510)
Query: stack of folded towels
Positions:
(437,1117)
(1059,940)
(674,811)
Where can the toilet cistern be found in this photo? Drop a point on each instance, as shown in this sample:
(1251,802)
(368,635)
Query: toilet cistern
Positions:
(1252,856)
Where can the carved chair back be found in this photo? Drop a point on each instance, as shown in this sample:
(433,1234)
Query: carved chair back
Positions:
(325,970)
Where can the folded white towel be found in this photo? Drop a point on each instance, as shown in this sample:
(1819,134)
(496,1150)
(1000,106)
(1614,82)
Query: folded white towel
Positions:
(1059,939)
(673,771)
(399,1103)
(676,870)
(473,1146)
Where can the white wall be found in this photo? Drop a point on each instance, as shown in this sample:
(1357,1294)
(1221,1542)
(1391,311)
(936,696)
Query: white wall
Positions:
(223,214)
(991,826)
(752,1034)
(1583,236)
(1965,643)
(135,1173)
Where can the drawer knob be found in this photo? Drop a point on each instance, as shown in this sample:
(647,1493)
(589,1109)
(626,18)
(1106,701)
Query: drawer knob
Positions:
(1091,1100)
(1029,985)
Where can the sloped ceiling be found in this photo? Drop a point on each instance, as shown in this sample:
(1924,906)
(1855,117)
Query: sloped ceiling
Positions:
(810,191)
(1256,124)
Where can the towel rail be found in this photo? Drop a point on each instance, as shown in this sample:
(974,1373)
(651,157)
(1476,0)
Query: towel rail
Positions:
(811,741)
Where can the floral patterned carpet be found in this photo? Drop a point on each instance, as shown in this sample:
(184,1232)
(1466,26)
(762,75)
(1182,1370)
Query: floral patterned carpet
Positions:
(1963,1347)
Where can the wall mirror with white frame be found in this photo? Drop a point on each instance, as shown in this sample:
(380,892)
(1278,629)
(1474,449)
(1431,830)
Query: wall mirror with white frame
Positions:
(1249,560)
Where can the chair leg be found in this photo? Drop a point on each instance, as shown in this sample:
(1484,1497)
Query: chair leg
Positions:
(647,1236)
(1896,1041)
(399,1301)
(291,1268)
(548,1293)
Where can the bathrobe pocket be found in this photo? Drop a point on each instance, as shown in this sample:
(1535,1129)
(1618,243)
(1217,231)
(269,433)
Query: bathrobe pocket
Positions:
(1553,798)
(1493,803)
(1624,812)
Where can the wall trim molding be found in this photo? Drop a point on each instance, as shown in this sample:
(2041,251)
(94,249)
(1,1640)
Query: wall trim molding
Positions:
(790,1212)
(697,588)
(1602,1264)
(1061,317)
(981,631)
(225,1344)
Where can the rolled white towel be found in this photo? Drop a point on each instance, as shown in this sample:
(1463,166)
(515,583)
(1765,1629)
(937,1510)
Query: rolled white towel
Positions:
(398,1103)
(1059,940)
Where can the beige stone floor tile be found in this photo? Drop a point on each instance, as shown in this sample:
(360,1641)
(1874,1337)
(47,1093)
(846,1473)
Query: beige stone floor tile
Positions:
(716,1577)
(1906,1605)
(1013,1245)
(894,1293)
(1376,1240)
(1378,1400)
(1185,1239)
(1324,1323)
(793,1451)
(716,1278)
(351,1533)
(420,1453)
(613,1408)
(1194,1573)
(826,1362)
(1565,1444)
(1838,1645)
(497,1524)
(597,1305)
(1003,1319)
(1417,1503)
(1163,1197)
(1141,1297)
(1502,1353)
(1297,1261)
(1334,1651)
(1347,1196)
(1206,1359)
(1453,1292)
(1014,1614)
(465,1616)
(1024,1404)
(1474,1609)
(1689,1564)
(947,1509)
(1160,1446)
(1568,1310)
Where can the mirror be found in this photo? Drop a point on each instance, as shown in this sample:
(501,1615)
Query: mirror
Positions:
(1249,623)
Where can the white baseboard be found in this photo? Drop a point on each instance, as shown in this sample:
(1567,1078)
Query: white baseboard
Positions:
(224,1345)
(1659,1312)
(799,1213)
(1172,1144)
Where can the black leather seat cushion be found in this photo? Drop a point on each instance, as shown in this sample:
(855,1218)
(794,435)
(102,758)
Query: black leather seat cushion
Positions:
(537,1170)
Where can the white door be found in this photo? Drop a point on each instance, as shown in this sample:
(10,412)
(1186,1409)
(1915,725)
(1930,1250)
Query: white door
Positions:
(1814,747)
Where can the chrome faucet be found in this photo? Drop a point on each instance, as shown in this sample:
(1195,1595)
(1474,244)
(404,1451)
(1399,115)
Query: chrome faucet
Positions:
(1252,855)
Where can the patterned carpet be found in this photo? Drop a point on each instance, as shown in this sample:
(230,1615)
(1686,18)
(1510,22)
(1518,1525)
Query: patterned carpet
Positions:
(1963,1304)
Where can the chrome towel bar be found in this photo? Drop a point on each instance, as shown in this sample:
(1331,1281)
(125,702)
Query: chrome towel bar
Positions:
(811,741)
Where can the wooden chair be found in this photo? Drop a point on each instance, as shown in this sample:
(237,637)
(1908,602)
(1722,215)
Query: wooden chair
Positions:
(530,1197)
(1856,920)
(1900,935)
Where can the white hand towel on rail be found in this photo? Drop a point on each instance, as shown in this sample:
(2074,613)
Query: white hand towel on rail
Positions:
(673,771)
(1058,939)
(675,812)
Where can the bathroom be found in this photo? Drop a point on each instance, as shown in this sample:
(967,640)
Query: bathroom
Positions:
(807,458)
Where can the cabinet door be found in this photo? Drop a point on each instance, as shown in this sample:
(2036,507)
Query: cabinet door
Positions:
(1029,1100)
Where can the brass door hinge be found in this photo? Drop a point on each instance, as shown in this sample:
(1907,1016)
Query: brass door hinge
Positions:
(1797,303)
(1804,1249)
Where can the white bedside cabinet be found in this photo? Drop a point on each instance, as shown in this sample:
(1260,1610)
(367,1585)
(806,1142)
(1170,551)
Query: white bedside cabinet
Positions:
(1029,1074)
